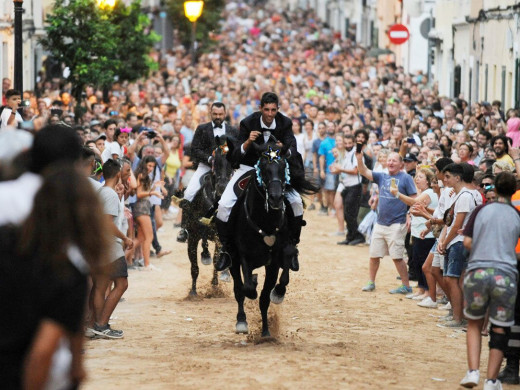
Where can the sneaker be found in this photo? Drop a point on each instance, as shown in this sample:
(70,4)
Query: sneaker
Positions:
(357,241)
(370,286)
(311,207)
(453,324)
(410,296)
(443,300)
(428,303)
(490,385)
(402,289)
(323,211)
(445,307)
(419,297)
(89,333)
(115,330)
(471,379)
(448,317)
(107,332)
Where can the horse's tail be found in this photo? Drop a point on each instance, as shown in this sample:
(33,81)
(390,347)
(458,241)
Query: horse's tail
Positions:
(304,186)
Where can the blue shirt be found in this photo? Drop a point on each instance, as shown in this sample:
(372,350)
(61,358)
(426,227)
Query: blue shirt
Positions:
(391,210)
(325,149)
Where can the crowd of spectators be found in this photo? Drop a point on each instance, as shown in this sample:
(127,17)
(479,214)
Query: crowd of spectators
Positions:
(423,158)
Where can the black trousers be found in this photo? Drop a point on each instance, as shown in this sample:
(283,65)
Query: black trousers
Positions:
(351,203)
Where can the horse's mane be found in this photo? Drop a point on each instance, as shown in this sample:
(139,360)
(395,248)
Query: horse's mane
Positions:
(300,183)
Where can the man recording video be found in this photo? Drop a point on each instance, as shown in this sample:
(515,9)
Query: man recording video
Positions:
(10,117)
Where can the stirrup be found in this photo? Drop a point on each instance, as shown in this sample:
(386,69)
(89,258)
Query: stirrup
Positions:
(176,199)
(206,221)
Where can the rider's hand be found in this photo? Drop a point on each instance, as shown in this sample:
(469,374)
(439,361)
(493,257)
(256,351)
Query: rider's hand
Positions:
(254,135)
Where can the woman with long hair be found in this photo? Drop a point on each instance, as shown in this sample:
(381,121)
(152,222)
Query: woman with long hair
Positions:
(142,207)
(44,267)
(424,180)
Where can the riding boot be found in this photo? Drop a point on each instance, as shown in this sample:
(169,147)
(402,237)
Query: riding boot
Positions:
(509,374)
(291,251)
(185,205)
(224,236)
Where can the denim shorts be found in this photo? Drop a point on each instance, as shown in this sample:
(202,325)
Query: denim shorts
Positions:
(454,260)
(330,183)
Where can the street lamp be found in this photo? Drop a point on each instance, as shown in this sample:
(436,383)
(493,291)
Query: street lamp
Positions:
(18,51)
(193,10)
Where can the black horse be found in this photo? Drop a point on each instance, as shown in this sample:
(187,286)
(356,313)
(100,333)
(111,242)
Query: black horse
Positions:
(261,231)
(212,186)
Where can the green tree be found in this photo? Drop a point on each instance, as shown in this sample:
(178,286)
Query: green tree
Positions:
(99,45)
(208,22)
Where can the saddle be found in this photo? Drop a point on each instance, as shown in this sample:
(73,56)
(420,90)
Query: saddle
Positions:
(241,184)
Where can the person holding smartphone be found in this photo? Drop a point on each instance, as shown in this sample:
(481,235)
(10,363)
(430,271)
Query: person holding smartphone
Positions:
(10,117)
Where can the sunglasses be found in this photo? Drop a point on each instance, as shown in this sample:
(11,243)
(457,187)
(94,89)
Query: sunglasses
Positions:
(485,185)
(98,167)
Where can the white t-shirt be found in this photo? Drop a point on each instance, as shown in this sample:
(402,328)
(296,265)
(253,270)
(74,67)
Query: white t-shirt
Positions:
(445,201)
(349,162)
(111,148)
(6,114)
(17,197)
(95,184)
(465,202)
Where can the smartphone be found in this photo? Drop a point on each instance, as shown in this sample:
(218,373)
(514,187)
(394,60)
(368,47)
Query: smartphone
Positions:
(359,148)
(411,140)
(392,182)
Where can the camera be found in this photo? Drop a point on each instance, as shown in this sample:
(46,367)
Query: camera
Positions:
(56,111)
(151,134)
(26,103)
(359,147)
(410,140)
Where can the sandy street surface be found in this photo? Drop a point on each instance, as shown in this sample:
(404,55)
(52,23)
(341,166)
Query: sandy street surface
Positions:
(327,333)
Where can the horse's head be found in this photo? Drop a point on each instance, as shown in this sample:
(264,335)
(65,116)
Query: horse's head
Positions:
(272,175)
(222,169)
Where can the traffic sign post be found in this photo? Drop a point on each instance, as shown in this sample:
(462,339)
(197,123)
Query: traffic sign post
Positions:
(398,34)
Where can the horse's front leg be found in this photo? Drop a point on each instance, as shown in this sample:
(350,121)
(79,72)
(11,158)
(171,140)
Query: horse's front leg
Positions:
(193,240)
(278,293)
(225,276)
(241,325)
(271,274)
(205,256)
(250,280)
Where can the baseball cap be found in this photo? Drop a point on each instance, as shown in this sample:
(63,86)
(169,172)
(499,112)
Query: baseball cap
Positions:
(101,136)
(94,123)
(410,157)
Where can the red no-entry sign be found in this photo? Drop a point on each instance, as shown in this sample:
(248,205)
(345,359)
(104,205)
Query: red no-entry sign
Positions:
(398,34)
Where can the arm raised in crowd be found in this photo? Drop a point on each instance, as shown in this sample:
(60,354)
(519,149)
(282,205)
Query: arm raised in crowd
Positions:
(165,148)
(363,170)
(132,149)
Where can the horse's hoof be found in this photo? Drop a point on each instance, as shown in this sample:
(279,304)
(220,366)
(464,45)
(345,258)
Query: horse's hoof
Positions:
(266,333)
(193,293)
(205,258)
(275,298)
(242,327)
(225,276)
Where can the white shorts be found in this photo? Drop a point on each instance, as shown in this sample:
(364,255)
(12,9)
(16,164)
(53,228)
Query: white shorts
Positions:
(388,240)
(194,184)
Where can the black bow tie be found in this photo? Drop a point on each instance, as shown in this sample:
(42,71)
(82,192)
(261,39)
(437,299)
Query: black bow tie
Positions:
(217,126)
